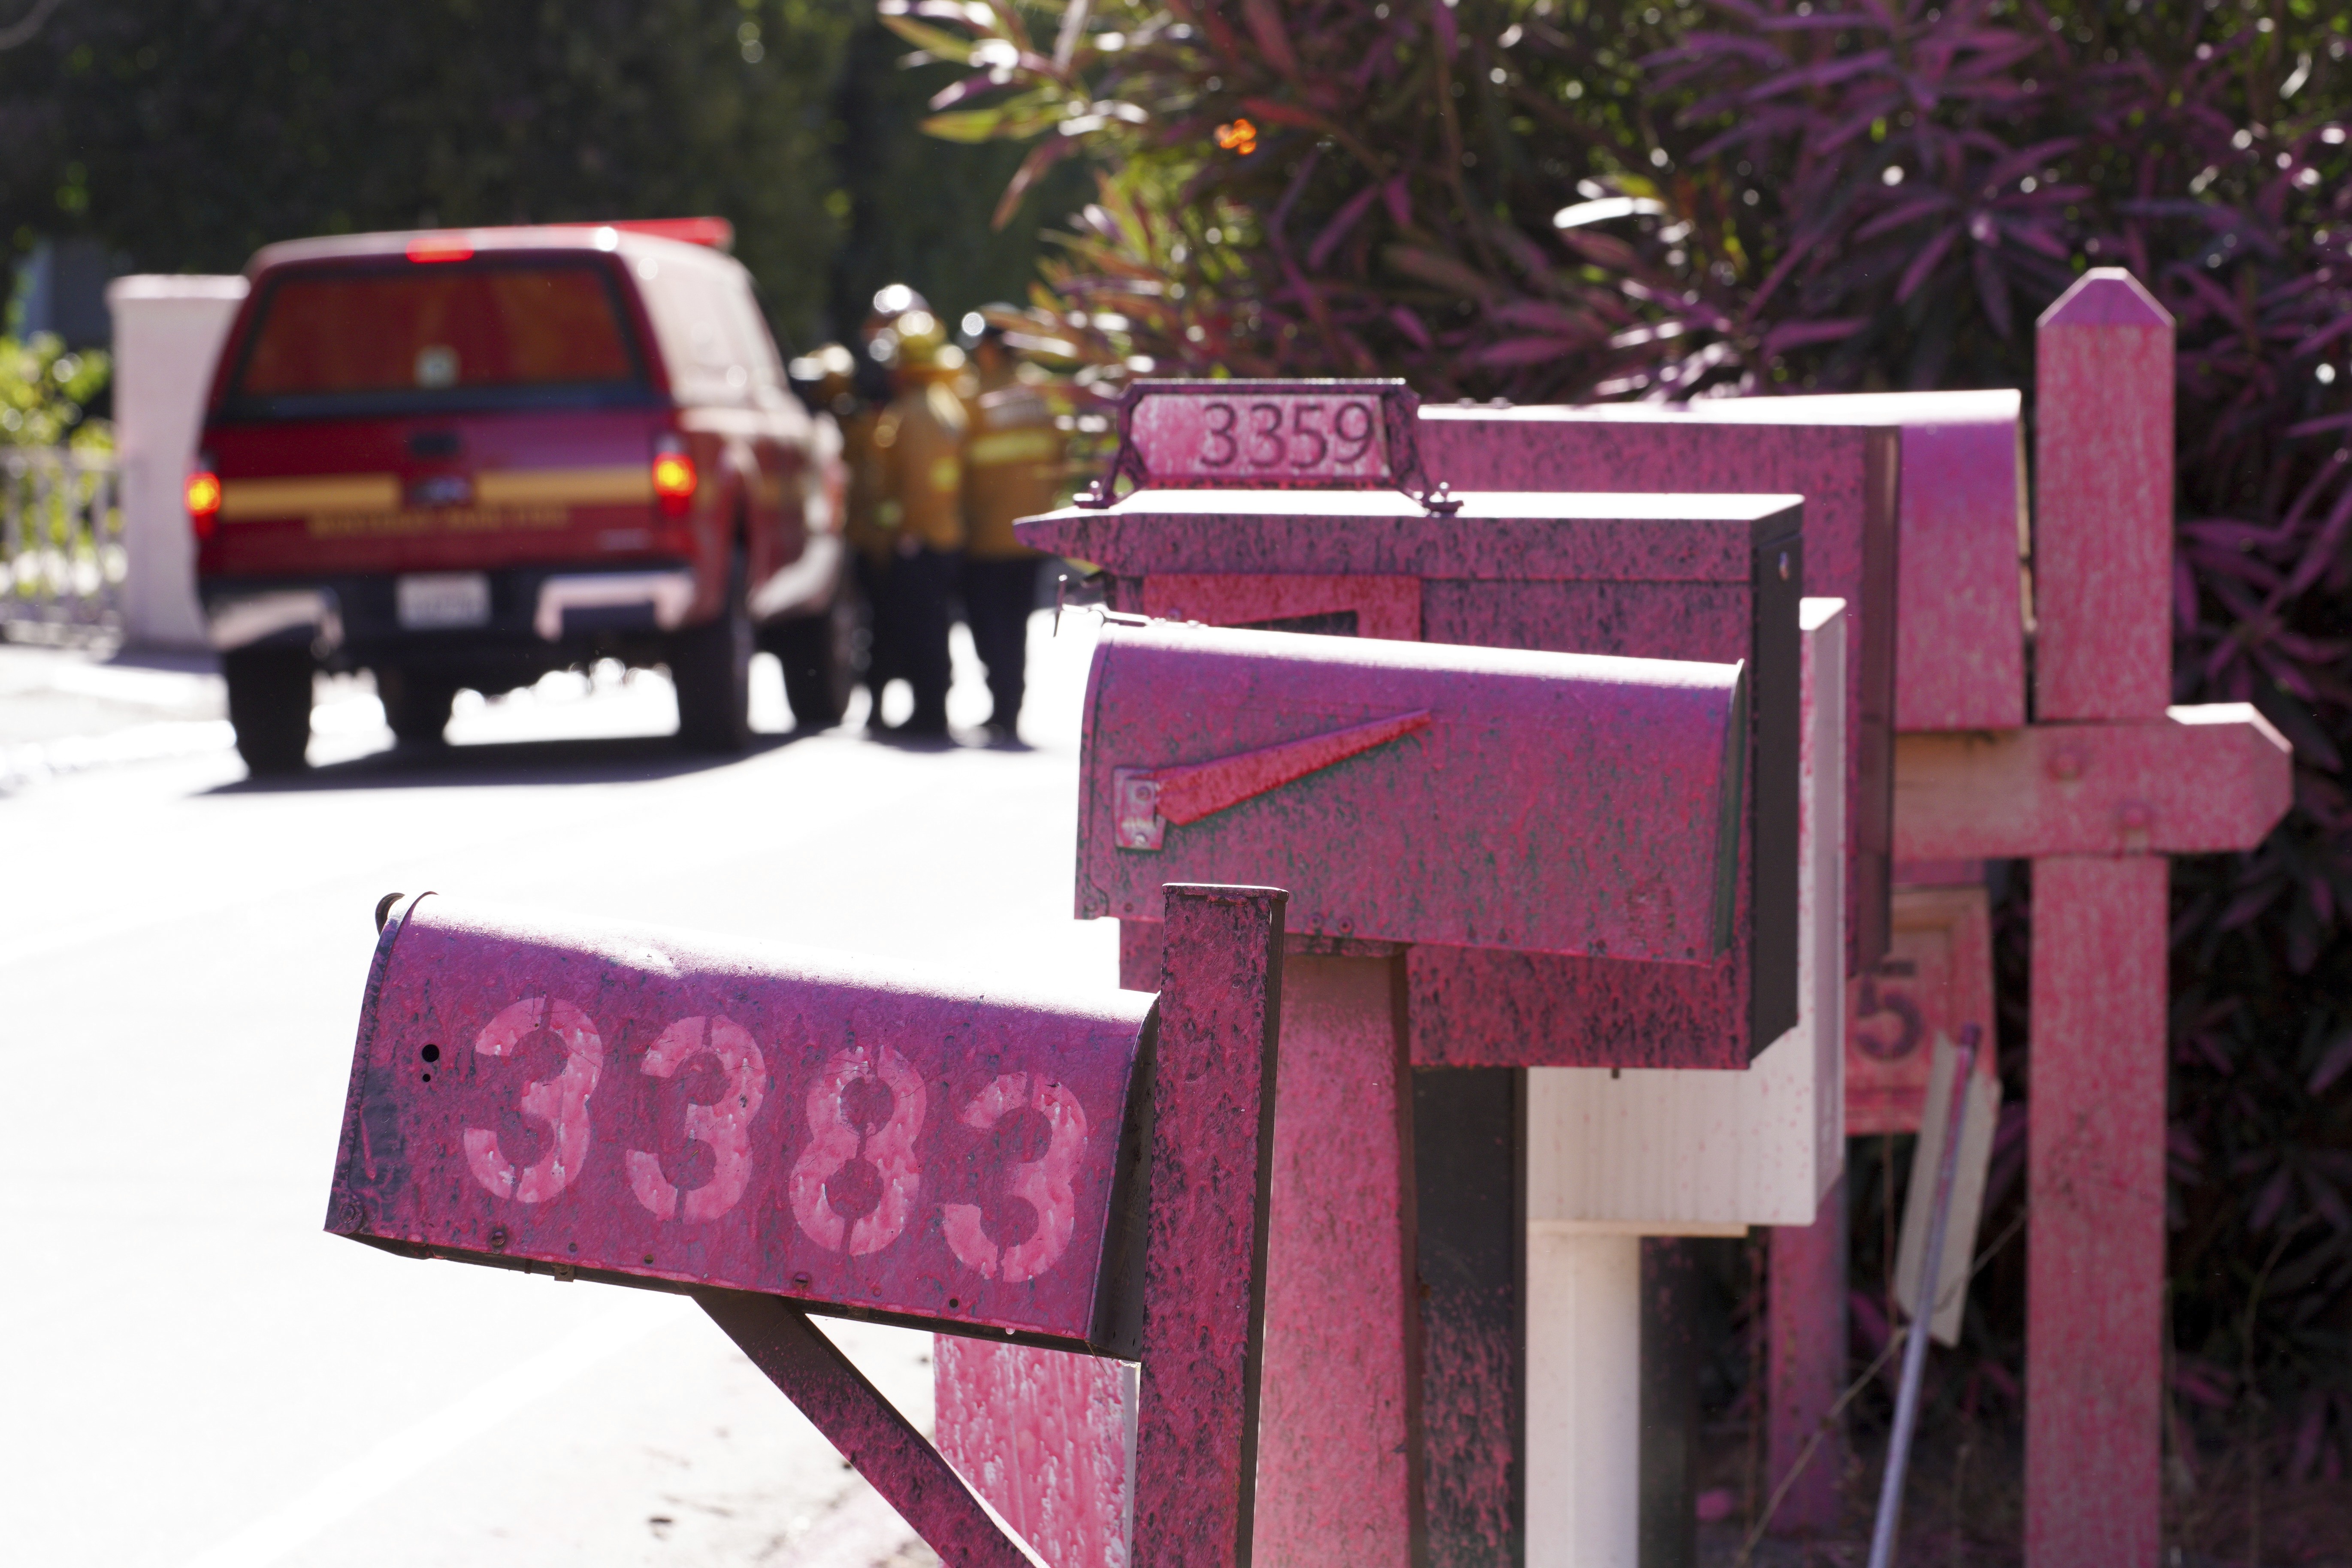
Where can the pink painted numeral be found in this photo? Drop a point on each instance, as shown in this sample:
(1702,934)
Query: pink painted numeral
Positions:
(725,1124)
(855,1184)
(1044,1183)
(560,1104)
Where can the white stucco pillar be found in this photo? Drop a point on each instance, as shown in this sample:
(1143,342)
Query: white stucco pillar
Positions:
(167,333)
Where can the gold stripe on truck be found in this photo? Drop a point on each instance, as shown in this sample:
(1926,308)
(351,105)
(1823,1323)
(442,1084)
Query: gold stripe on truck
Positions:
(615,486)
(308,495)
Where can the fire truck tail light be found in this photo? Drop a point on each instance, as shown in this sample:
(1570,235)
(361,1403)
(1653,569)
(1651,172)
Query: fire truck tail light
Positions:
(674,482)
(204,497)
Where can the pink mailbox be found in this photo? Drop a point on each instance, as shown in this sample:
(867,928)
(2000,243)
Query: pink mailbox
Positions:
(1431,804)
(776,1133)
(1709,578)
(1847,472)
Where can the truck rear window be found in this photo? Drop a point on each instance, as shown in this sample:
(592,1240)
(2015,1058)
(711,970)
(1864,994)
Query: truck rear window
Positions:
(437,336)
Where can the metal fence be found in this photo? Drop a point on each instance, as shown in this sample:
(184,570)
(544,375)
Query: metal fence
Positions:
(61,557)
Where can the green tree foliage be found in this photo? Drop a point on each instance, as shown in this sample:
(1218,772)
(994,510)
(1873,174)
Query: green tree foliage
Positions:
(45,393)
(916,209)
(189,132)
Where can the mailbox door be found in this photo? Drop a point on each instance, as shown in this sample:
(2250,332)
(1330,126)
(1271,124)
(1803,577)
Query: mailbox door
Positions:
(658,1108)
(1847,472)
(1557,804)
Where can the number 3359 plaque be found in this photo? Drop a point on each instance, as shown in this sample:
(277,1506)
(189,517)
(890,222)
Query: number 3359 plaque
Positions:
(1268,435)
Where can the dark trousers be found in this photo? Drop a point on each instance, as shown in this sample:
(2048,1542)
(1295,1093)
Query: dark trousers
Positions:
(920,597)
(882,648)
(997,598)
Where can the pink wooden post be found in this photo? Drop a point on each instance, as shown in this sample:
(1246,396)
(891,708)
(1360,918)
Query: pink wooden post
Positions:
(1342,1363)
(2105,783)
(1805,1366)
(2095,1287)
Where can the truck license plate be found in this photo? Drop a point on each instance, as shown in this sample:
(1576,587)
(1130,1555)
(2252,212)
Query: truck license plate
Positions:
(432,601)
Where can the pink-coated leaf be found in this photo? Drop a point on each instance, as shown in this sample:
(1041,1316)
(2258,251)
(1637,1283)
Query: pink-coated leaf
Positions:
(1264,23)
(1276,111)
(1410,325)
(1343,221)
(1992,285)
(1931,256)
(2271,1200)
(1436,266)
(2307,1435)
(1399,201)
(2201,1383)
(2333,1064)
(2322,552)
(1513,352)
(1908,212)
(1801,334)
(1604,250)
(1440,22)
(1543,316)
(1041,158)
(2327,1201)
(2250,902)
(972,86)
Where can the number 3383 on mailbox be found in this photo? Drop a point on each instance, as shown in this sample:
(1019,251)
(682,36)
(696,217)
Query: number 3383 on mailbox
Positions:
(633,1105)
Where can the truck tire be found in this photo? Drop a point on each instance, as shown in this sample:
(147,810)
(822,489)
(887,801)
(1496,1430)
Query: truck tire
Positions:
(416,707)
(819,654)
(270,706)
(711,666)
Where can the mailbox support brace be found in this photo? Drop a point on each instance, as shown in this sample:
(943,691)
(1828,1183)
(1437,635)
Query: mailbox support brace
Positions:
(871,1434)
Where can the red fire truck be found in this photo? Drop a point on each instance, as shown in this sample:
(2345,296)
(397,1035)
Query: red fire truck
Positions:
(464,458)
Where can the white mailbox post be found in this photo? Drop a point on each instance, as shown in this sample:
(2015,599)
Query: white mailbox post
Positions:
(1615,1156)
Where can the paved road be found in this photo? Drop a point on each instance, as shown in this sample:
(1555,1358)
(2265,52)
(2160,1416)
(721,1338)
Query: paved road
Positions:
(190,1372)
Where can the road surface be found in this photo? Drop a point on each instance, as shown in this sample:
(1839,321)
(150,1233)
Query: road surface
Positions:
(192,1375)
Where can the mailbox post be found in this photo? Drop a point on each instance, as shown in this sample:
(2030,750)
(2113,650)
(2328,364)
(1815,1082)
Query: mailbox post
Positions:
(776,1133)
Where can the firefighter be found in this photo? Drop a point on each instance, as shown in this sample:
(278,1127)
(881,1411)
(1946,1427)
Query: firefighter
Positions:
(873,386)
(919,452)
(1012,468)
(828,381)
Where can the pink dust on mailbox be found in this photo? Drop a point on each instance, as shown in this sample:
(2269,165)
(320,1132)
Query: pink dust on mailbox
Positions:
(741,1116)
(1566,804)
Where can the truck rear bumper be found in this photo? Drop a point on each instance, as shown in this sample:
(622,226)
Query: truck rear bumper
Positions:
(288,616)
(537,614)
(597,601)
